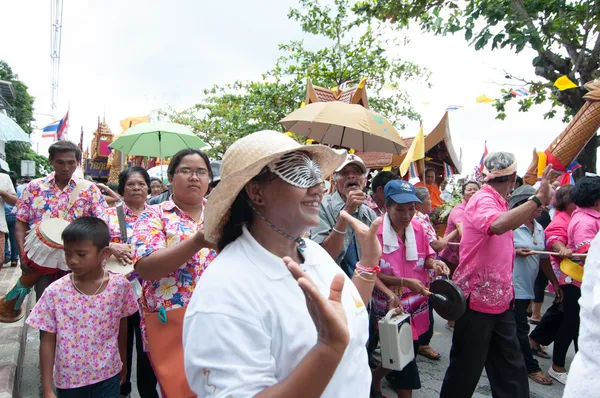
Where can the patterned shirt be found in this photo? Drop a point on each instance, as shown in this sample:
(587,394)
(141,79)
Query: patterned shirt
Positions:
(450,253)
(486,260)
(112,219)
(44,199)
(86,328)
(427,226)
(165,225)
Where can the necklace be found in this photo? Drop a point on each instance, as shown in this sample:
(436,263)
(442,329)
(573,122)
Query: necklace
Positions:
(96,292)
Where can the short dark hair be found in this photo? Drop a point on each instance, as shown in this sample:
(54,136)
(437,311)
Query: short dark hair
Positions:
(178,157)
(87,228)
(464,186)
(586,192)
(64,147)
(125,174)
(519,181)
(563,197)
(430,169)
(382,178)
(155,179)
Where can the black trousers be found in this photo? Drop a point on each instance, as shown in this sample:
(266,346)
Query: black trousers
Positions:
(146,380)
(485,340)
(560,324)
(520,312)
(539,288)
(425,338)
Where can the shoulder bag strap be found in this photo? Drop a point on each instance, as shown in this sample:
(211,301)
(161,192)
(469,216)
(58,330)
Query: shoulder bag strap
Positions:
(81,184)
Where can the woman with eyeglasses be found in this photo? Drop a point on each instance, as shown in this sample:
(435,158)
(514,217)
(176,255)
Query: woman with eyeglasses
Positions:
(169,247)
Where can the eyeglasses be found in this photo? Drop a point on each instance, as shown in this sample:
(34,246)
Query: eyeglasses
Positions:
(200,173)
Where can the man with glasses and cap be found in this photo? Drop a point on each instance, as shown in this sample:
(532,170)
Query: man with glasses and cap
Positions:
(333,233)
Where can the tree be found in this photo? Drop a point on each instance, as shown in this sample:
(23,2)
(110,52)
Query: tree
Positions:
(355,48)
(563,34)
(21,107)
(17,151)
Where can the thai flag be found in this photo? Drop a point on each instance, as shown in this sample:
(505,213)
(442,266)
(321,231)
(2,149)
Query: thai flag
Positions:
(485,153)
(521,92)
(447,171)
(453,107)
(57,129)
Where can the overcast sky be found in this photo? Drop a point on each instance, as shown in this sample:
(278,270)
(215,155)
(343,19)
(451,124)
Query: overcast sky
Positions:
(127,58)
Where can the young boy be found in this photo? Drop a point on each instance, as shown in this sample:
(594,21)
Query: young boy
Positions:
(83,319)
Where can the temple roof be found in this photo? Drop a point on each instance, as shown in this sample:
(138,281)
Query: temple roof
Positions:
(353,95)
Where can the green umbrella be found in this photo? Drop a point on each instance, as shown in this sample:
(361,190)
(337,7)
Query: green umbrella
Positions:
(160,139)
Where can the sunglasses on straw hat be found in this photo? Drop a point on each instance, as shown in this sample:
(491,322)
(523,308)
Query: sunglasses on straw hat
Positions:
(249,156)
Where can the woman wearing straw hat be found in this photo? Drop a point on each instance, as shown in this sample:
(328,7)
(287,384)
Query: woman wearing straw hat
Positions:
(250,327)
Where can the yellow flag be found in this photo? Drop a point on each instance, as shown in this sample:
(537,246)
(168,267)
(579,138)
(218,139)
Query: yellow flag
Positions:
(362,82)
(387,168)
(564,83)
(415,152)
(483,99)
(132,121)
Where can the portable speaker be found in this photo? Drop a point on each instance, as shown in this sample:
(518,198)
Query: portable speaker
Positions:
(395,336)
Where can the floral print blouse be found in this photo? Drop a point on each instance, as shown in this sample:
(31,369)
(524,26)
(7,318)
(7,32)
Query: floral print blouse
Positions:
(86,328)
(165,225)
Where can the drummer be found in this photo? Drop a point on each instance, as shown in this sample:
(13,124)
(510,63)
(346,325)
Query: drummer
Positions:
(134,183)
(49,196)
(407,257)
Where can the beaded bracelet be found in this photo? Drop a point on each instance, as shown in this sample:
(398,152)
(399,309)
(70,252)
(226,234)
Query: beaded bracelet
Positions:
(367,270)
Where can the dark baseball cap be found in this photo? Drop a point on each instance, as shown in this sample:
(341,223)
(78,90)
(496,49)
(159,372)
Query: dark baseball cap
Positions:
(400,192)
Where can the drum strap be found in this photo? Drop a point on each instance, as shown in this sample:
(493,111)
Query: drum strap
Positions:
(81,184)
(122,224)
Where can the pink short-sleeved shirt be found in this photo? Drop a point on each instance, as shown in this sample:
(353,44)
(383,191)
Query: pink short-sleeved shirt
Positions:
(43,199)
(486,260)
(165,225)
(450,253)
(584,225)
(557,231)
(86,328)
(395,264)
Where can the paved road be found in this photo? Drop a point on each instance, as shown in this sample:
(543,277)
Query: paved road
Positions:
(431,372)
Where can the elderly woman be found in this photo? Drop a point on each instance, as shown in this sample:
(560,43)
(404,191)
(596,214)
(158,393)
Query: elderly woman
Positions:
(169,248)
(133,187)
(250,327)
(450,254)
(405,263)
(552,327)
(528,237)
(485,335)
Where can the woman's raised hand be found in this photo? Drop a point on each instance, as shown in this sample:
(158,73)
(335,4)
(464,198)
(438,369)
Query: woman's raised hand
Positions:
(367,239)
(327,313)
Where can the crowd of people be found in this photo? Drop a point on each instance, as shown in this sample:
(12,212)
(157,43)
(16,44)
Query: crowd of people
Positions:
(247,279)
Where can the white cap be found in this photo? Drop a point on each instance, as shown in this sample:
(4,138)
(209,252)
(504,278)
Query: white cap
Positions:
(353,159)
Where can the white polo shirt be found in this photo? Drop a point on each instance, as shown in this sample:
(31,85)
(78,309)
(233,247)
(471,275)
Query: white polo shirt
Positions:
(247,326)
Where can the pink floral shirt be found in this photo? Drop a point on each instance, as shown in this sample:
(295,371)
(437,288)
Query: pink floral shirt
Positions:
(43,199)
(450,253)
(165,225)
(557,231)
(112,219)
(395,264)
(486,260)
(86,328)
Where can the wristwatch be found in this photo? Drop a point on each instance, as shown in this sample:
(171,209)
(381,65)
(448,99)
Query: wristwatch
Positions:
(536,200)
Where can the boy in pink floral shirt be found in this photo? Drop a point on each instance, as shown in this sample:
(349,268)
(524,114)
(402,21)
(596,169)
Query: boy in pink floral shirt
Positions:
(486,334)
(83,315)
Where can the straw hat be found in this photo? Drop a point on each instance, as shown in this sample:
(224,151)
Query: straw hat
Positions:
(244,160)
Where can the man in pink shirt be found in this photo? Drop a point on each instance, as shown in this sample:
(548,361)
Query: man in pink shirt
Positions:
(485,336)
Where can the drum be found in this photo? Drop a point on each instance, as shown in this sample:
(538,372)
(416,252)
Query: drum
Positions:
(113,265)
(44,247)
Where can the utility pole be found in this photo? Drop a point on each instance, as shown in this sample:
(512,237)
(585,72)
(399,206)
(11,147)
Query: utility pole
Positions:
(55,44)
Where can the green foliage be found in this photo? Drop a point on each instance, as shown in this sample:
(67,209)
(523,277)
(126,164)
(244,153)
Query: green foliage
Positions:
(20,108)
(564,35)
(356,49)
(17,151)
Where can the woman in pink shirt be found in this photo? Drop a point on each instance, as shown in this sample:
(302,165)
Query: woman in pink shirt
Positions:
(450,253)
(406,259)
(553,327)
